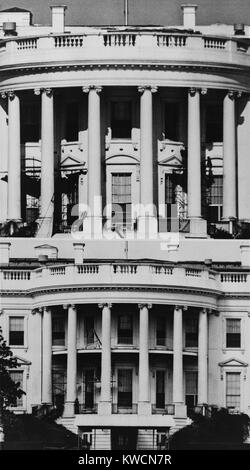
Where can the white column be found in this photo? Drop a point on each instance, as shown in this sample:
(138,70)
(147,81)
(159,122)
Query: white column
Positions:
(147,216)
(94,223)
(47,357)
(202,358)
(47,164)
(144,383)
(3,157)
(105,401)
(14,159)
(178,397)
(71,362)
(197,224)
(229,157)
(35,344)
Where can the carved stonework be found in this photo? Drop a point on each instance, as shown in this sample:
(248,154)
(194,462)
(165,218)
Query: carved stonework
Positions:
(97,89)
(152,88)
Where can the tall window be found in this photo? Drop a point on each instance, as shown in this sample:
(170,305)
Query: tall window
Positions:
(172,116)
(16,331)
(89,324)
(233,333)
(125,329)
(191,383)
(233,389)
(191,333)
(216,199)
(121,119)
(121,200)
(160,389)
(214,123)
(30,122)
(17,377)
(89,388)
(58,387)
(124,398)
(160,331)
(58,330)
(72,121)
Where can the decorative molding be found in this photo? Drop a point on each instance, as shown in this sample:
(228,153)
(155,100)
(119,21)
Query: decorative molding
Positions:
(37,91)
(96,88)
(148,306)
(192,91)
(203,91)
(152,88)
(48,91)
(108,305)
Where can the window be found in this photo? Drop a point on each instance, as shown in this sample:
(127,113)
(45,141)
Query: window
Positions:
(233,389)
(89,376)
(160,332)
(16,331)
(72,121)
(233,333)
(124,398)
(216,199)
(172,121)
(214,123)
(58,331)
(17,377)
(162,437)
(191,383)
(121,200)
(89,324)
(121,119)
(30,122)
(58,387)
(160,389)
(125,329)
(191,333)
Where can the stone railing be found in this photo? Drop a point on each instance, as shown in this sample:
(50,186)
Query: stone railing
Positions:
(234,277)
(101,45)
(16,275)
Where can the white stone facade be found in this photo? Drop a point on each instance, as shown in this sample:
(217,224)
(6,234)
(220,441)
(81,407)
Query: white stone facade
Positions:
(137,317)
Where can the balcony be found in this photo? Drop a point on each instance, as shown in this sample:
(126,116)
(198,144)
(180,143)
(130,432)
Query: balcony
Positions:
(118,409)
(167,410)
(99,46)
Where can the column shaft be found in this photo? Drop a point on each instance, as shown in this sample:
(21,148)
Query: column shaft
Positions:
(194,155)
(47,357)
(14,159)
(202,358)
(229,157)
(143,355)
(71,360)
(47,163)
(178,358)
(106,354)
(146,125)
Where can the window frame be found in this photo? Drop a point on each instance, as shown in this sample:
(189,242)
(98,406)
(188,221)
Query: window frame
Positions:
(232,316)
(23,406)
(61,316)
(122,98)
(24,315)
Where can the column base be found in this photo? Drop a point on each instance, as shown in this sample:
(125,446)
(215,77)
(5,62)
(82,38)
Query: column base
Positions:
(45,227)
(180,410)
(69,409)
(144,408)
(92,228)
(147,228)
(104,408)
(198,228)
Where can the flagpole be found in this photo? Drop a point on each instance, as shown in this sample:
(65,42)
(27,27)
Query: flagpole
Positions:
(126,12)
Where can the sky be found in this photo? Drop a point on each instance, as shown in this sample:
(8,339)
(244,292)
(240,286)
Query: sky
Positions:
(141,12)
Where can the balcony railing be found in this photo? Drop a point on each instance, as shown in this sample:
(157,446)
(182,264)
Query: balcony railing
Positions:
(117,409)
(83,409)
(167,410)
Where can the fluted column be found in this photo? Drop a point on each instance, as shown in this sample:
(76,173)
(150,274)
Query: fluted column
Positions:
(202,358)
(144,385)
(229,157)
(105,401)
(71,361)
(197,224)
(94,221)
(47,164)
(178,357)
(14,158)
(47,357)
(147,217)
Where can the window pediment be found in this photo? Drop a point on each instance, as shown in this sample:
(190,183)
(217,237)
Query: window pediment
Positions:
(233,363)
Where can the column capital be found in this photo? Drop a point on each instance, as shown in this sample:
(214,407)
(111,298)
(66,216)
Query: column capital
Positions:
(233,94)
(203,91)
(48,91)
(141,306)
(192,91)
(11,94)
(47,309)
(204,310)
(180,307)
(96,88)
(151,88)
(37,91)
(108,305)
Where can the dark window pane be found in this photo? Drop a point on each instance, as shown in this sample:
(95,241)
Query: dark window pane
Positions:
(89,330)
(191,333)
(161,332)
(72,122)
(233,333)
(125,329)
(16,331)
(121,119)
(160,389)
(58,331)
(172,121)
(124,397)
(214,123)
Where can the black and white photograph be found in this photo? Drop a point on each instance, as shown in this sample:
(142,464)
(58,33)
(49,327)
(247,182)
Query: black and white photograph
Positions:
(124,229)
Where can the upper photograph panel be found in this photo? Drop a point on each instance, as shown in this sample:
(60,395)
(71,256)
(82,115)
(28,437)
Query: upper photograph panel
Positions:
(125,120)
